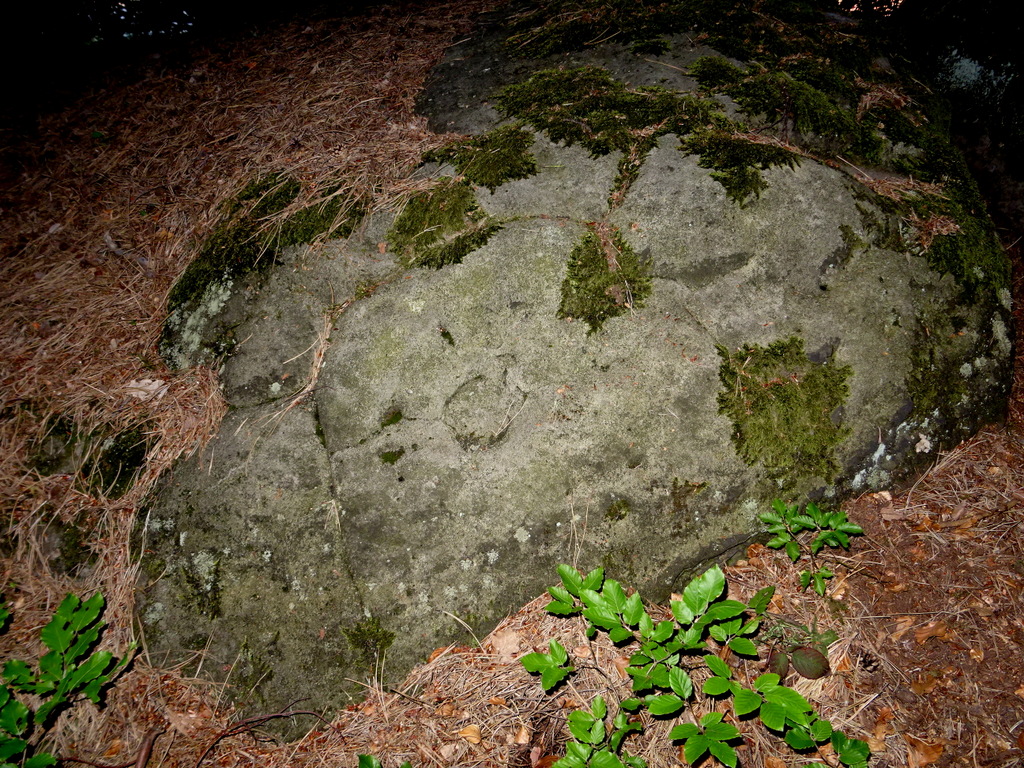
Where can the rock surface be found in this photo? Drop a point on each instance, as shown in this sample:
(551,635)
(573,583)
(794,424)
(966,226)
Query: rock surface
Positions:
(460,438)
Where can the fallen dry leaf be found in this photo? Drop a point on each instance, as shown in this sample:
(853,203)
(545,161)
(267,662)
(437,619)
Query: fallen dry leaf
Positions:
(924,683)
(774,762)
(146,389)
(471,733)
(621,663)
(978,654)
(923,752)
(497,701)
(505,644)
(932,629)
(522,735)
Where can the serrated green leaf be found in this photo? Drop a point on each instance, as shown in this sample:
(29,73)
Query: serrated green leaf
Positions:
(18,674)
(558,653)
(594,579)
(799,739)
(771,518)
(726,609)
(42,760)
(646,625)
(665,704)
(773,716)
(631,704)
(11,747)
(535,662)
(13,716)
(561,594)
(552,676)
(805,579)
(721,731)
(561,609)
(684,731)
(614,595)
(794,704)
(766,682)
(592,599)
(793,550)
(750,627)
(717,666)
(634,761)
(633,612)
(369,761)
(571,579)
(599,707)
(715,686)
(619,634)
(680,683)
(694,748)
(605,759)
(777,542)
(723,753)
(601,617)
(704,589)
(682,613)
(759,602)
(745,701)
(663,631)
(802,521)
(743,646)
(851,528)
(821,730)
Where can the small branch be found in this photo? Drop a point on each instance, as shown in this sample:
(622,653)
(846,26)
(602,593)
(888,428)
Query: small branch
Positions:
(142,756)
(252,722)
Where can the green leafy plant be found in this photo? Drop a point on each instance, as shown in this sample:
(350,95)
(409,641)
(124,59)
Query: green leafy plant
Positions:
(705,626)
(64,673)
(791,527)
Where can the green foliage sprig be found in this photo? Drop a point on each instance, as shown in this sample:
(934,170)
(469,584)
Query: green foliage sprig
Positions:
(823,528)
(704,624)
(64,673)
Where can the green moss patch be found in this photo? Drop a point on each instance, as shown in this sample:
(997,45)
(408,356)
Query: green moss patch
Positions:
(370,640)
(491,159)
(783,408)
(737,162)
(603,279)
(441,226)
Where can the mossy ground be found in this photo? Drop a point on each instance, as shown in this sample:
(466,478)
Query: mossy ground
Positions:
(783,408)
(244,244)
(370,640)
(492,159)
(441,226)
(603,279)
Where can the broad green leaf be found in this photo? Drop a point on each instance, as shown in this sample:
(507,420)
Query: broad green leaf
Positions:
(633,611)
(663,631)
(781,509)
(599,707)
(716,686)
(793,550)
(594,579)
(684,731)
(614,595)
(11,747)
(13,716)
(593,599)
(722,752)
(634,761)
(793,702)
(766,682)
(631,704)
(799,739)
(369,761)
(18,674)
(558,652)
(571,579)
(619,634)
(646,625)
(750,627)
(779,540)
(745,701)
(821,730)
(552,676)
(743,646)
(721,731)
(561,609)
(536,662)
(725,610)
(666,704)
(770,518)
(773,715)
(579,751)
(605,759)
(88,612)
(716,665)
(852,528)
(561,594)
(704,589)
(682,613)
(759,602)
(602,617)
(680,682)
(804,521)
(694,748)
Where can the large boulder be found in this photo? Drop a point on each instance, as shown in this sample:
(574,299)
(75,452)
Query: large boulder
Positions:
(613,348)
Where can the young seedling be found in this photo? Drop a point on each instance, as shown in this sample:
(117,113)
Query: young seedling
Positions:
(788,524)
